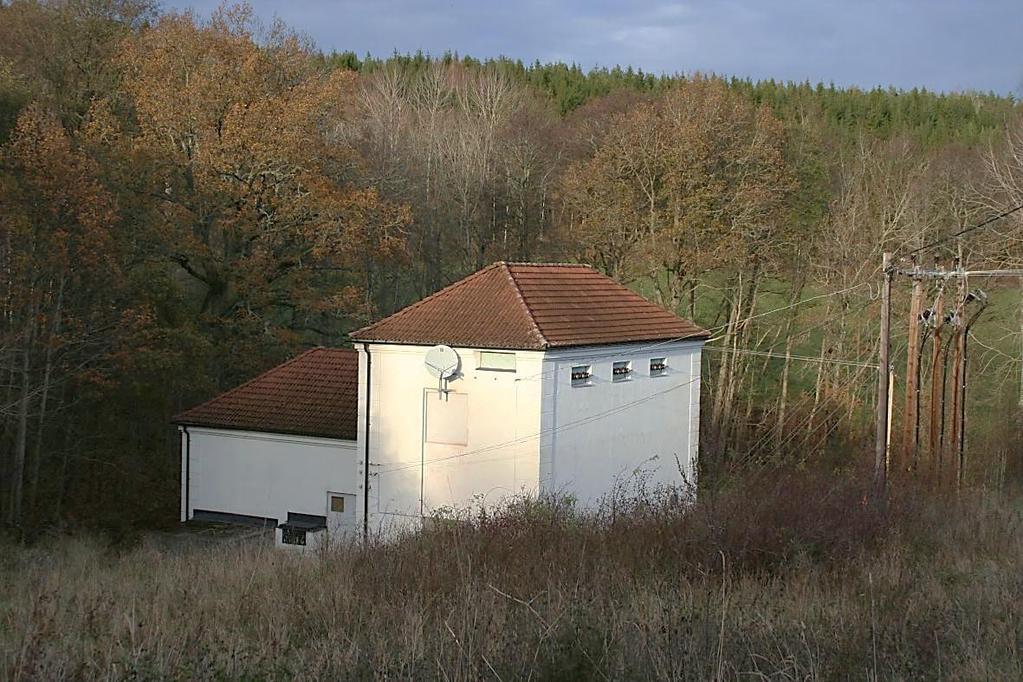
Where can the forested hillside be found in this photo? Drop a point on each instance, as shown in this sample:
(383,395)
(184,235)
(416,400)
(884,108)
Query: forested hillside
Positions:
(186,201)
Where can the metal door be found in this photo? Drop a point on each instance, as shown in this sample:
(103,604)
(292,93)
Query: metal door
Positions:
(341,515)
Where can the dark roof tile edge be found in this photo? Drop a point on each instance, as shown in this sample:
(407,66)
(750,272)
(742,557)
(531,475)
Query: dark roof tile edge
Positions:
(178,418)
(307,433)
(363,333)
(544,343)
(182,417)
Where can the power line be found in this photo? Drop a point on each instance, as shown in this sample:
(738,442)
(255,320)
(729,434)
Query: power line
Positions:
(802,358)
(712,330)
(412,464)
(849,383)
(797,431)
(960,233)
(799,303)
(953,273)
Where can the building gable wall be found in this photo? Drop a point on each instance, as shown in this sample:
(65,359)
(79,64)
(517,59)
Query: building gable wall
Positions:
(629,435)
(432,452)
(263,474)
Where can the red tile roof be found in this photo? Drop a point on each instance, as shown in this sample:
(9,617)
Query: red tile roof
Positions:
(531,306)
(314,394)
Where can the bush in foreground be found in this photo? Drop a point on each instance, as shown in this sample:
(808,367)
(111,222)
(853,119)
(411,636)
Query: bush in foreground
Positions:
(790,576)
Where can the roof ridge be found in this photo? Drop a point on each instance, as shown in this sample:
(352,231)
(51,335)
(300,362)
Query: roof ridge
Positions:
(529,306)
(522,299)
(259,376)
(418,304)
(549,264)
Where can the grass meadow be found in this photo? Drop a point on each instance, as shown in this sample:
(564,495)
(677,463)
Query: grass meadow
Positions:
(780,575)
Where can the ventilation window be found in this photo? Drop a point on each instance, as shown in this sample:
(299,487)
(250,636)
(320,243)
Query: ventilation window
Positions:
(622,371)
(337,504)
(497,362)
(292,536)
(658,367)
(581,375)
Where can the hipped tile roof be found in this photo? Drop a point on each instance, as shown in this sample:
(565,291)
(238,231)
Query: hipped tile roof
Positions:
(313,394)
(520,306)
(531,306)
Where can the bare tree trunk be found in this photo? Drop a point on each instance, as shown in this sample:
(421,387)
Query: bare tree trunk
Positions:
(7,461)
(779,425)
(818,386)
(37,455)
(692,314)
(65,455)
(21,437)
(742,430)
(729,342)
(739,362)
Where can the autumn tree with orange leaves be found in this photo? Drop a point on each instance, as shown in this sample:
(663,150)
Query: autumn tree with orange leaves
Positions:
(185,202)
(60,270)
(204,218)
(254,183)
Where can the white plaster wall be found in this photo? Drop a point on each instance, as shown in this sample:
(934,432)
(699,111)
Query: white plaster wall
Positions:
(500,457)
(612,434)
(262,474)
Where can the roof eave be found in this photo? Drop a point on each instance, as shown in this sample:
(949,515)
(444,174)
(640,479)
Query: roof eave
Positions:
(454,344)
(633,342)
(252,429)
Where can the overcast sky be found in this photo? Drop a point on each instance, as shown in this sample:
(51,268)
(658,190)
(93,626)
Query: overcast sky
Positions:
(939,44)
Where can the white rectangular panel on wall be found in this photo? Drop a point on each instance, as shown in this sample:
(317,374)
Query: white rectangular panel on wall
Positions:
(447,418)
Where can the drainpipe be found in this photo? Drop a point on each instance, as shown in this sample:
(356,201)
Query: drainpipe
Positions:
(188,467)
(422,459)
(365,464)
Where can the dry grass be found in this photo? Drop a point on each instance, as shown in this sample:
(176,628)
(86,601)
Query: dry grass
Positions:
(788,577)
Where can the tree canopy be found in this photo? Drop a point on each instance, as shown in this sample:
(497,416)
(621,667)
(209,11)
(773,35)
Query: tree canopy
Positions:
(187,201)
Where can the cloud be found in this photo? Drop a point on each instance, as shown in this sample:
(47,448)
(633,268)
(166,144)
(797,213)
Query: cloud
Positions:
(938,44)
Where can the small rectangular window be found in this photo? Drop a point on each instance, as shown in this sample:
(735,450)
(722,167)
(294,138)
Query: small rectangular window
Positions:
(581,375)
(658,367)
(292,536)
(337,504)
(621,371)
(497,362)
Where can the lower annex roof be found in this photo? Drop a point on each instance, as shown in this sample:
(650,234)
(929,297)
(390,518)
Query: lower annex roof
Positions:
(313,394)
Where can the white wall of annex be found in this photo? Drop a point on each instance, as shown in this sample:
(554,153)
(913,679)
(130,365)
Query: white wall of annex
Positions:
(619,434)
(500,455)
(269,475)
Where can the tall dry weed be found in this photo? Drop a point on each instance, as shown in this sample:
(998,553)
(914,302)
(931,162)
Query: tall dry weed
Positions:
(782,574)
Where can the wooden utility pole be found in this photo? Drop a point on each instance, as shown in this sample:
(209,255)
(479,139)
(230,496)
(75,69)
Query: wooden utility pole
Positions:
(911,422)
(1019,400)
(958,441)
(958,372)
(883,380)
(937,378)
(947,456)
(937,384)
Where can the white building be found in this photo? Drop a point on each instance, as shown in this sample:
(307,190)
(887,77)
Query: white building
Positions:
(566,382)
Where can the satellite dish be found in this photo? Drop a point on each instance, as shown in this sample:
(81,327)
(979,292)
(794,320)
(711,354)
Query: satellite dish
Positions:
(442,362)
